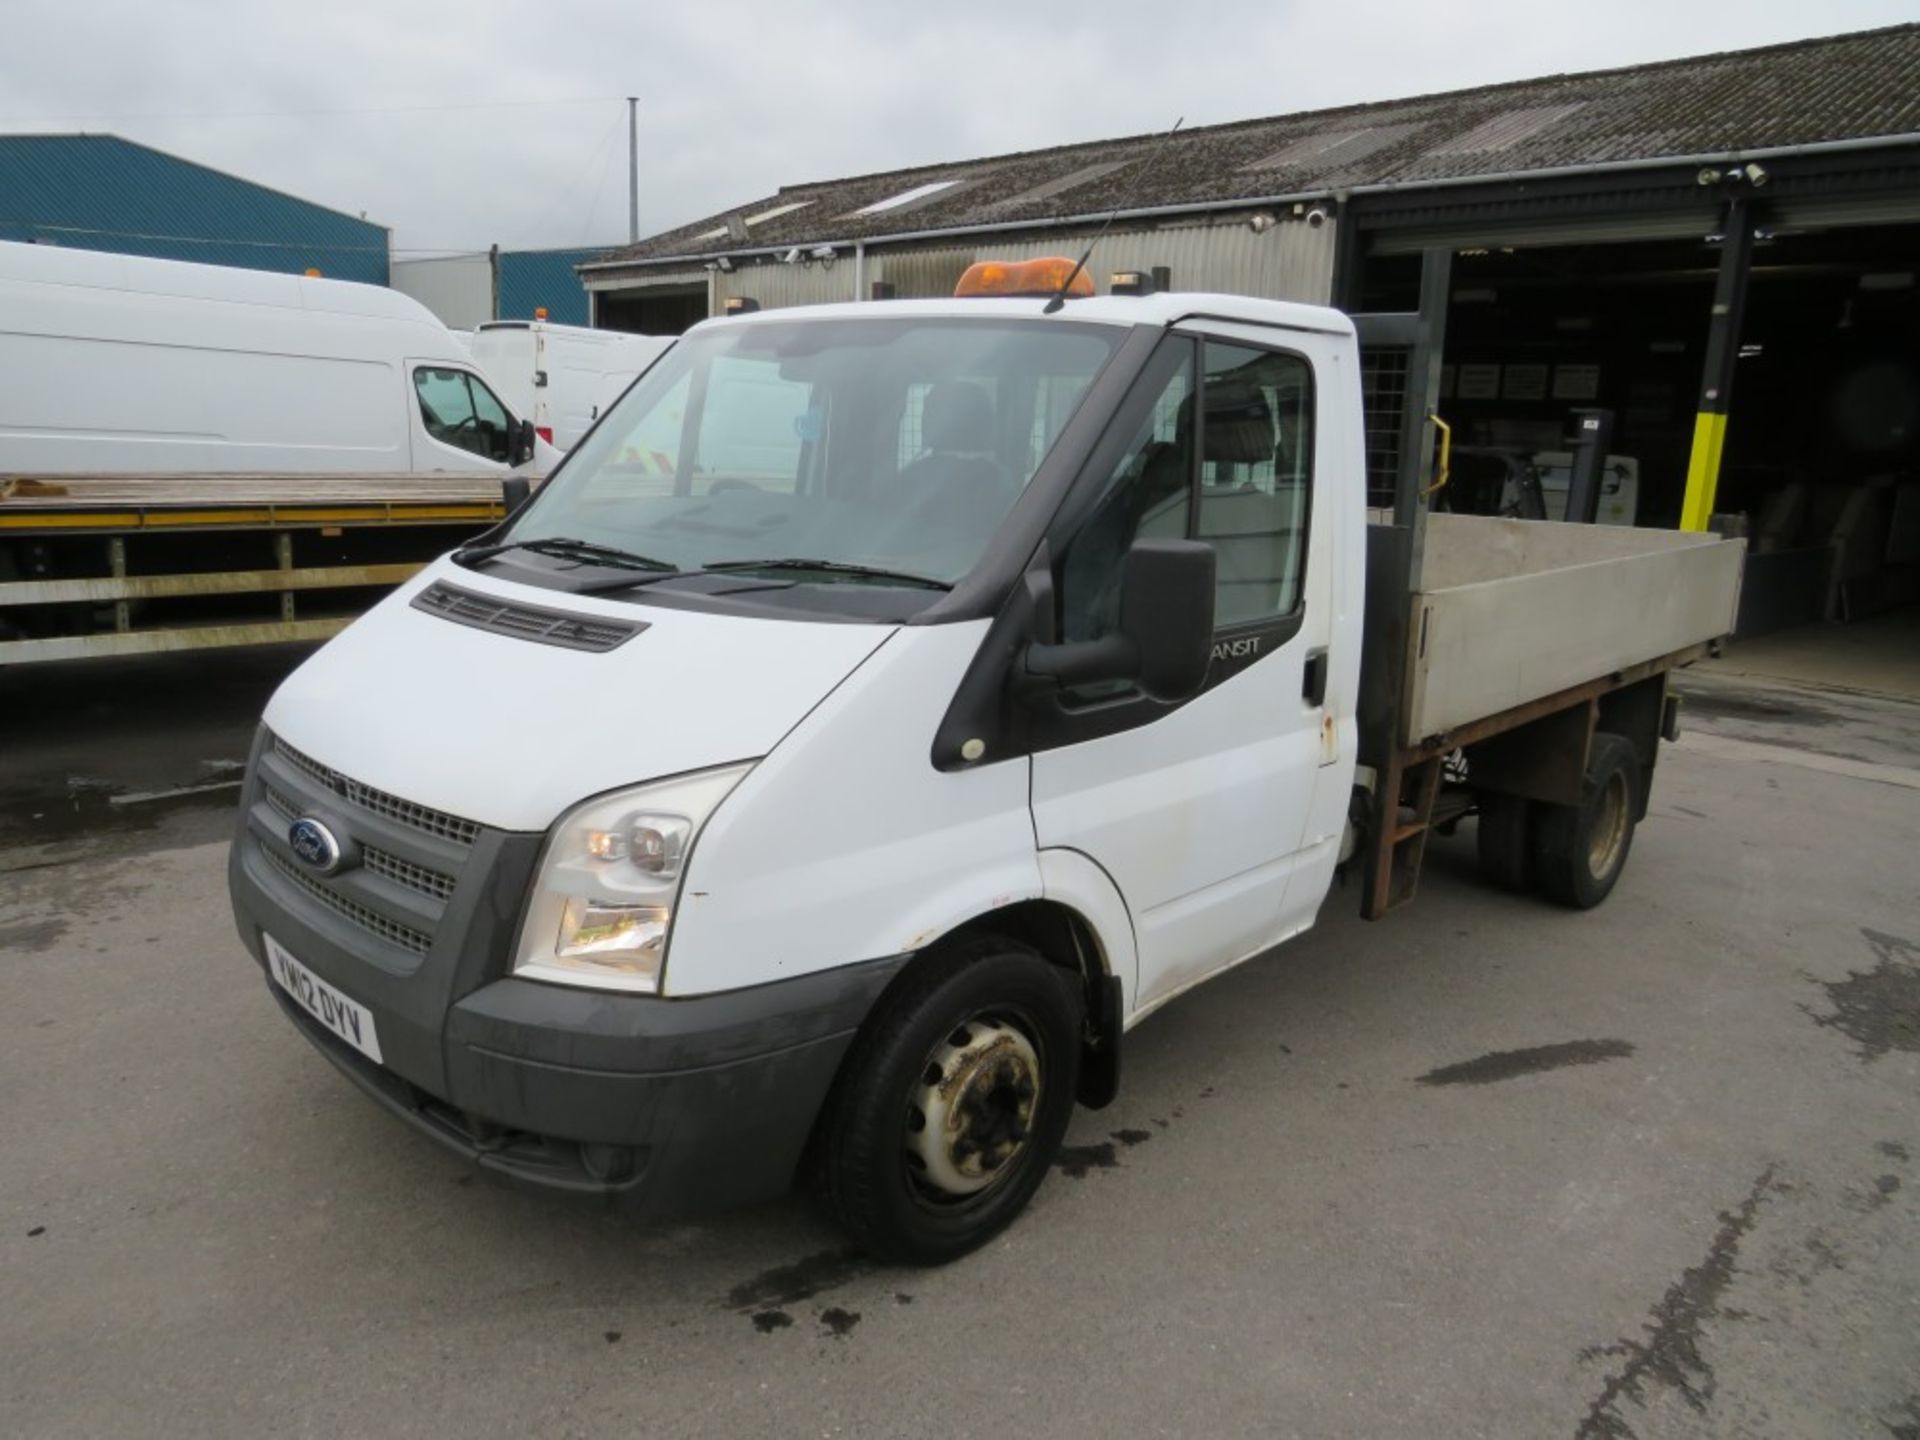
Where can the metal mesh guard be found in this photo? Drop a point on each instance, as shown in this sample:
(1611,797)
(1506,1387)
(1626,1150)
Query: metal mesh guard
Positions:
(404,812)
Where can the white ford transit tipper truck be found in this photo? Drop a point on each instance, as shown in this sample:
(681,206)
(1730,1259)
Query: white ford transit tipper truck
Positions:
(834,796)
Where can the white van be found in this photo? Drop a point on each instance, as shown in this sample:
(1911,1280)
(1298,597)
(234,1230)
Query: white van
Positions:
(119,363)
(557,375)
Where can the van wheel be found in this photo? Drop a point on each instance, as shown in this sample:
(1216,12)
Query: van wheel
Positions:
(953,1102)
(1580,850)
(1505,840)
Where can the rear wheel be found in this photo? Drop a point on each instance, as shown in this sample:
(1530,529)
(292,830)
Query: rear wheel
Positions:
(1505,840)
(1580,850)
(953,1102)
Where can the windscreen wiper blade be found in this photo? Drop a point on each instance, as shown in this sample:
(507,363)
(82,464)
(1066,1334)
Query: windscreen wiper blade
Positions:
(833,567)
(565,547)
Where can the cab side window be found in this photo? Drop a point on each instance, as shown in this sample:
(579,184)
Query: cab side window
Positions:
(1223,453)
(1148,493)
(460,411)
(1255,469)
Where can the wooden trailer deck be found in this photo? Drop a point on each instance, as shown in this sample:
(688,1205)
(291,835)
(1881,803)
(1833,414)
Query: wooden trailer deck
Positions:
(131,564)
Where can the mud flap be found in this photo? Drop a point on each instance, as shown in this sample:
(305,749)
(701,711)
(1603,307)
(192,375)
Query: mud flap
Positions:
(1100,1054)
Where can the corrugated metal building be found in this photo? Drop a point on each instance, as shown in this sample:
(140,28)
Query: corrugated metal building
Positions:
(543,279)
(1266,205)
(101,192)
(1632,240)
(470,289)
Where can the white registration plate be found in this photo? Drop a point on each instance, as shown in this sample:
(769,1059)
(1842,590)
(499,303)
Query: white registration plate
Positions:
(348,1019)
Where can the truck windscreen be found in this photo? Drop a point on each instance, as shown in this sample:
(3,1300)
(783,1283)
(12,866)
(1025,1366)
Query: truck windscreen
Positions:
(890,447)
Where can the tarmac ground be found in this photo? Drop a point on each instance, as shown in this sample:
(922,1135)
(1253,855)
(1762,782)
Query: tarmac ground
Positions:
(1483,1168)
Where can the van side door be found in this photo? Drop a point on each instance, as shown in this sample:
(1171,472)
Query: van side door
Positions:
(1199,810)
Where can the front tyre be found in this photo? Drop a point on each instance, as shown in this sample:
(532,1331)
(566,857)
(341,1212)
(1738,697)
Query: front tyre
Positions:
(953,1102)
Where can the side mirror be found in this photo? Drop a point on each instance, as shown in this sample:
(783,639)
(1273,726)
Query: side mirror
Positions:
(1165,639)
(520,443)
(514,491)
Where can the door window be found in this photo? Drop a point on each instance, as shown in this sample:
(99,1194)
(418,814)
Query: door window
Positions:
(1246,493)
(1254,472)
(1148,493)
(460,411)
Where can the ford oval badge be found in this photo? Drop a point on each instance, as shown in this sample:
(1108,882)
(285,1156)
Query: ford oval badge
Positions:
(314,844)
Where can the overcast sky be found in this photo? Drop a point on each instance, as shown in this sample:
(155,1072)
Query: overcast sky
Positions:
(440,120)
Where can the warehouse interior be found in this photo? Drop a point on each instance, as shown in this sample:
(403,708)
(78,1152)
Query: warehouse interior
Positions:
(1821,457)
(652,310)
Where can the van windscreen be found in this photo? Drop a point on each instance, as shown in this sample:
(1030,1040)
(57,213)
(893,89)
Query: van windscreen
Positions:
(891,445)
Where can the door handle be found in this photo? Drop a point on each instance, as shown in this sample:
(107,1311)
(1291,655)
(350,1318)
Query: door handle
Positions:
(1313,681)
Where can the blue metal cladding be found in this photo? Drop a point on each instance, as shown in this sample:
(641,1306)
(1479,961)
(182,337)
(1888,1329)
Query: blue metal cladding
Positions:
(532,278)
(100,192)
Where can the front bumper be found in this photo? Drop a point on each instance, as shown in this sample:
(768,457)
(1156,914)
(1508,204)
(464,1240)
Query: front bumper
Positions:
(706,1137)
(667,1106)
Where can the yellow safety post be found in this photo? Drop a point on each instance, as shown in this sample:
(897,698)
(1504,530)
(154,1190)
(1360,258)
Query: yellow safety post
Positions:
(1716,381)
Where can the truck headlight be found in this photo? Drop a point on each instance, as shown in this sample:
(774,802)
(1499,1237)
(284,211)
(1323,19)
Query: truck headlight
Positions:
(603,898)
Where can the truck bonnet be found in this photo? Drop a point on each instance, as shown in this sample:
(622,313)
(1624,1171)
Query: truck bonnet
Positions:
(485,722)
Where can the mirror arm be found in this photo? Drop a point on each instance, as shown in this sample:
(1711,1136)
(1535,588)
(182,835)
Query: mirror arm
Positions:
(1082,662)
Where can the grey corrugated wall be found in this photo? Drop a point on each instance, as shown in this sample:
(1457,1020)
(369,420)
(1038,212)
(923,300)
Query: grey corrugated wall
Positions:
(777,286)
(1291,261)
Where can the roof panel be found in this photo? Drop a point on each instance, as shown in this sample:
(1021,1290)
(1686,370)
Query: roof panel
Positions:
(1506,130)
(1810,92)
(906,199)
(776,212)
(1327,148)
(1072,180)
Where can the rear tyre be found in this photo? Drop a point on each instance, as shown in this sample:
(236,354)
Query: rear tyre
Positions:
(952,1102)
(1580,850)
(1505,840)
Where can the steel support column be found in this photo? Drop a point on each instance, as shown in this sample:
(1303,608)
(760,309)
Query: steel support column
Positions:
(1423,394)
(1716,381)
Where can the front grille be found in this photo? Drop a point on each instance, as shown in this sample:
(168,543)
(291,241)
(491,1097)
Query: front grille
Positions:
(394,933)
(526,622)
(405,872)
(392,807)
(423,878)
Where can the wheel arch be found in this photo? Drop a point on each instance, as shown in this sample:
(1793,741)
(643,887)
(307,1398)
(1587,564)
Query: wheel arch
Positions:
(1066,936)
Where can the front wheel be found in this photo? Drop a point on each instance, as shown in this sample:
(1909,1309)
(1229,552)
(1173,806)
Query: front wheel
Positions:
(953,1102)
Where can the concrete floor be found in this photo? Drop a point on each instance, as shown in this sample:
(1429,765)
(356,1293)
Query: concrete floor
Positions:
(1880,655)
(1484,1168)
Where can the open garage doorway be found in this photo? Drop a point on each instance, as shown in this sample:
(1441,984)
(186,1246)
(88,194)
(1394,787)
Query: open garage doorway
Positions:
(1820,464)
(651,309)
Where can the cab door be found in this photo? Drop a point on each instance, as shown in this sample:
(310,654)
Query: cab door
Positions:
(1199,810)
(454,420)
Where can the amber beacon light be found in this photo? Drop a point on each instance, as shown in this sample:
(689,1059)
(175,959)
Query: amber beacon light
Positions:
(1038,279)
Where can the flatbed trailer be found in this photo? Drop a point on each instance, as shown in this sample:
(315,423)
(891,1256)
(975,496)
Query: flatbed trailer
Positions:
(1492,663)
(129,564)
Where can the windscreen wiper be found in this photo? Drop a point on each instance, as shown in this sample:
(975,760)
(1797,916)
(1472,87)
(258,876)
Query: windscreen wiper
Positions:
(834,567)
(565,547)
